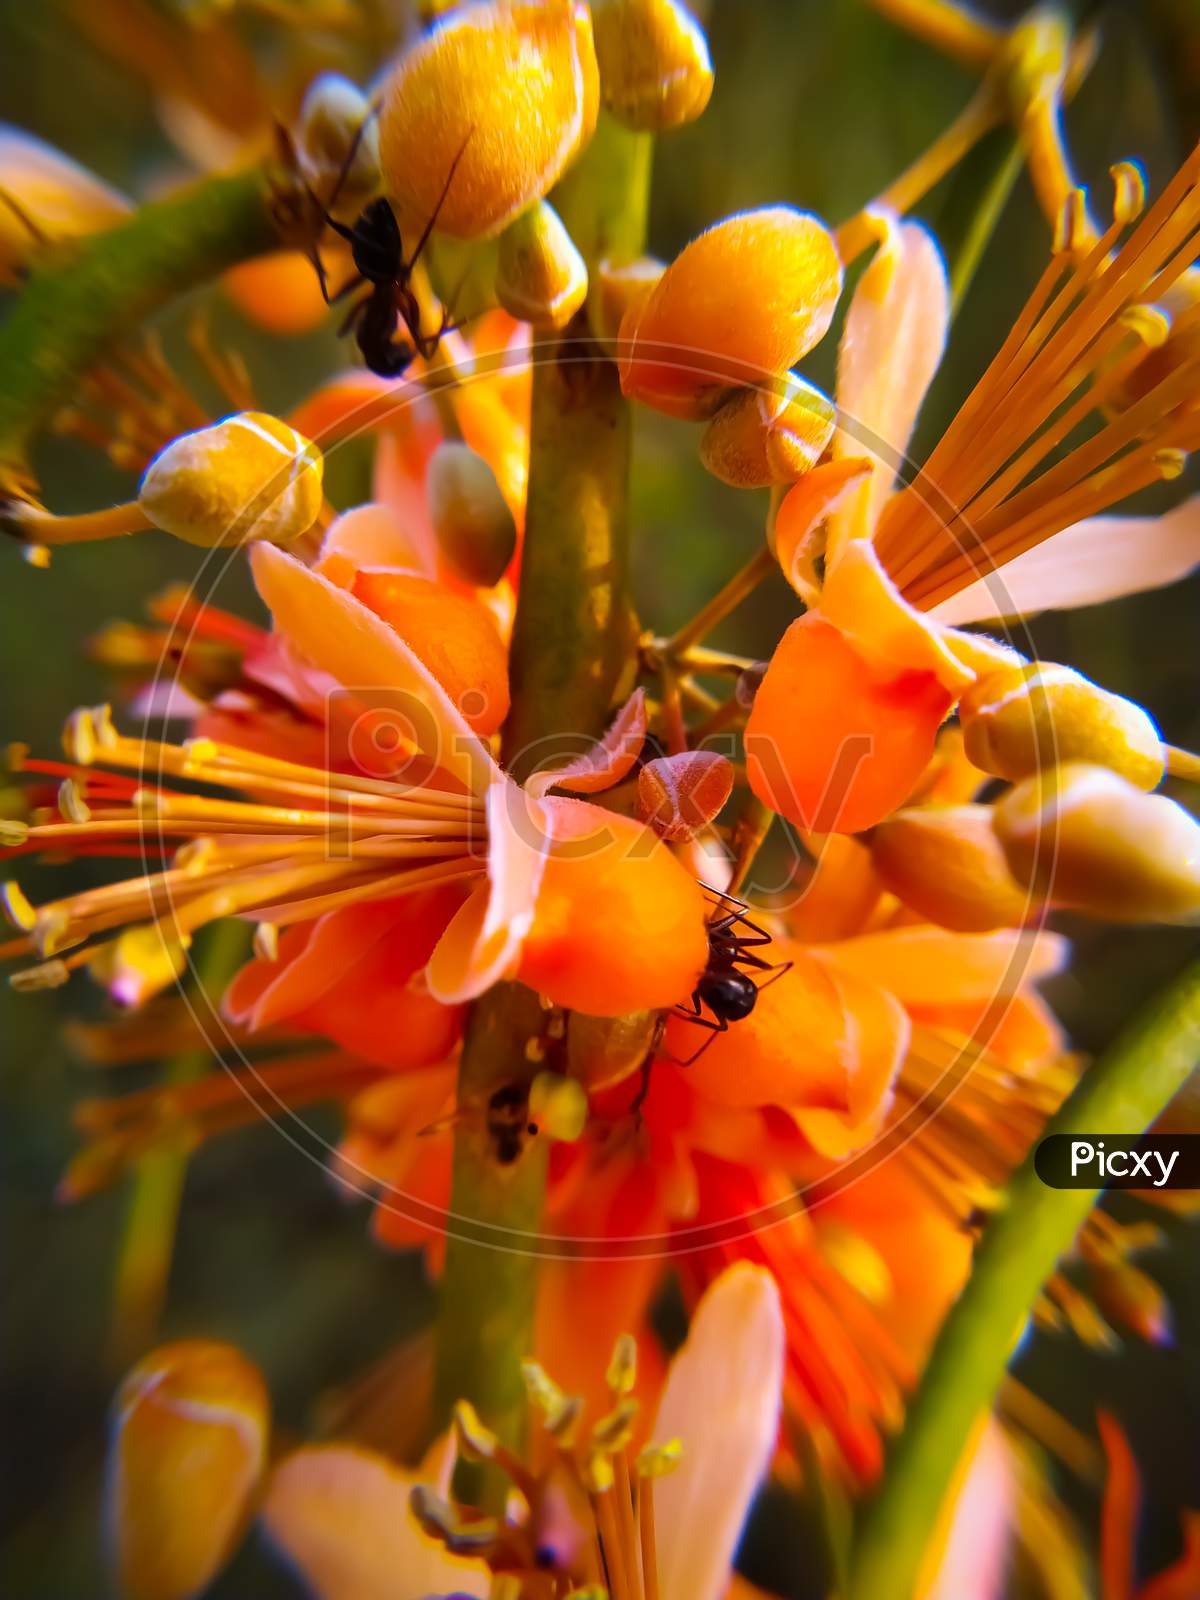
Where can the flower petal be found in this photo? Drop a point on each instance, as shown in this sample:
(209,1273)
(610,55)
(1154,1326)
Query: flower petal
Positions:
(722,1400)
(893,340)
(59,198)
(483,942)
(798,526)
(607,761)
(1098,559)
(341,1518)
(340,635)
(930,967)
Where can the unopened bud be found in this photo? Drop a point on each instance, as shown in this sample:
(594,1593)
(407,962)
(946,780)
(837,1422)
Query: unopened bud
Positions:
(250,476)
(508,91)
(759,438)
(338,141)
(1088,840)
(558,1106)
(655,69)
(679,795)
(602,1051)
(738,306)
(475,529)
(946,863)
(188,1446)
(541,278)
(1020,720)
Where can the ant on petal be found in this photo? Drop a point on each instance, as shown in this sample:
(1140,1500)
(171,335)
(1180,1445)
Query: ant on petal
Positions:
(377,249)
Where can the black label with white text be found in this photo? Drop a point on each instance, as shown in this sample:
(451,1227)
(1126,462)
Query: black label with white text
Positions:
(1103,1161)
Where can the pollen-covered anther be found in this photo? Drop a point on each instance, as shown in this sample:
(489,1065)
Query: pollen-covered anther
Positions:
(558,1106)
(475,1442)
(1129,192)
(508,91)
(460,1534)
(655,69)
(248,477)
(1022,719)
(13,833)
(17,908)
(656,1460)
(1087,839)
(541,278)
(613,1431)
(769,435)
(622,1367)
(71,803)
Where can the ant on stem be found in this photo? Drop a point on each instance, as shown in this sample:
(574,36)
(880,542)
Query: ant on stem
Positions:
(378,253)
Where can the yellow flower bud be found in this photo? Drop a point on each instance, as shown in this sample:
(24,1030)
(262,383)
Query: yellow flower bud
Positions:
(655,70)
(470,516)
(247,477)
(540,276)
(738,306)
(1091,841)
(51,197)
(558,1106)
(946,863)
(760,437)
(513,88)
(187,1450)
(1019,720)
(335,113)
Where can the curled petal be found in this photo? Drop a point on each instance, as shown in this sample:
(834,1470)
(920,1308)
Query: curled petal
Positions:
(799,536)
(608,760)
(738,306)
(678,795)
(369,535)
(890,348)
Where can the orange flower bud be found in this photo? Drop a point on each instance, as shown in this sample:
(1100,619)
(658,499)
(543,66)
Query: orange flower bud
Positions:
(1024,718)
(53,198)
(335,119)
(475,528)
(680,794)
(619,925)
(832,743)
(453,635)
(1089,840)
(189,1441)
(655,69)
(946,863)
(512,88)
(247,477)
(758,438)
(280,292)
(540,276)
(738,306)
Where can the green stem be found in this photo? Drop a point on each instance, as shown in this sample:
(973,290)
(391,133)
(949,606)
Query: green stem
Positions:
(574,648)
(148,1242)
(1120,1096)
(86,294)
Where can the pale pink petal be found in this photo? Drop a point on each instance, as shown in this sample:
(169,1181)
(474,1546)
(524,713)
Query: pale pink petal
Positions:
(342,637)
(401,463)
(981,1523)
(341,1517)
(722,1400)
(931,966)
(482,943)
(370,535)
(607,760)
(1098,559)
(893,340)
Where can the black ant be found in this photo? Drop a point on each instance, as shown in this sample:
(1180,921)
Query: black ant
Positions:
(723,988)
(378,252)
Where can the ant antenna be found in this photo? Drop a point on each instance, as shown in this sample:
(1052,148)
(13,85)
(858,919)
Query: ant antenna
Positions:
(437,210)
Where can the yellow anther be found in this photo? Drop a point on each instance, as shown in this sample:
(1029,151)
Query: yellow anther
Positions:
(441,1521)
(17,908)
(50,975)
(199,751)
(1170,463)
(71,803)
(622,1369)
(12,832)
(614,1431)
(52,932)
(1151,324)
(1072,231)
(266,941)
(79,737)
(558,1105)
(656,1460)
(1129,192)
(597,1473)
(475,1442)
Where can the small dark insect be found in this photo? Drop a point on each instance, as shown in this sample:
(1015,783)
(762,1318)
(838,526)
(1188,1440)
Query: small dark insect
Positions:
(378,252)
(508,1125)
(727,989)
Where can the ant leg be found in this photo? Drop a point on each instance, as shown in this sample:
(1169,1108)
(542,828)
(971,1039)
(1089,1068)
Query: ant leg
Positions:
(437,210)
(719,1026)
(353,315)
(778,970)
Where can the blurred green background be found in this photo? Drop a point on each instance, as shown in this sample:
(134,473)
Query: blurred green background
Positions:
(818,103)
